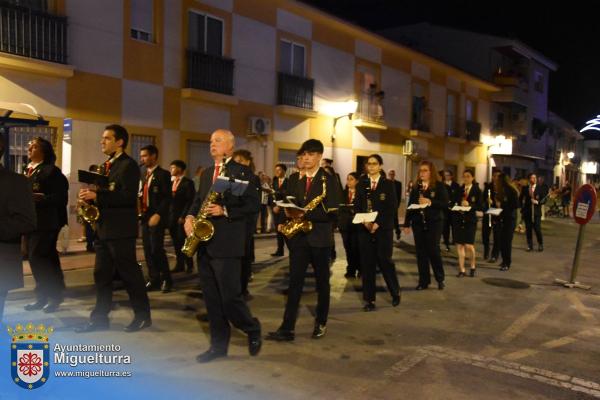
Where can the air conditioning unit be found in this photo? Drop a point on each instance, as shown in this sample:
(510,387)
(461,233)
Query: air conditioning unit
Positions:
(409,147)
(259,126)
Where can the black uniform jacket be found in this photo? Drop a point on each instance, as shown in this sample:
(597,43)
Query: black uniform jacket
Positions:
(52,208)
(383,200)
(323,216)
(118,202)
(230,230)
(17,217)
(432,214)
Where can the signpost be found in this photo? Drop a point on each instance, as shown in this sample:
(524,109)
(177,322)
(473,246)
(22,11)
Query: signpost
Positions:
(584,208)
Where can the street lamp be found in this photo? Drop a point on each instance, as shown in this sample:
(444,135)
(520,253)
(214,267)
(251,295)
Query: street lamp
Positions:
(570,155)
(343,110)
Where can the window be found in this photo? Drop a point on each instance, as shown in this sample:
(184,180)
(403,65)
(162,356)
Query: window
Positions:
(539,82)
(38,5)
(451,120)
(18,143)
(292,58)
(470,110)
(139,141)
(142,20)
(205,34)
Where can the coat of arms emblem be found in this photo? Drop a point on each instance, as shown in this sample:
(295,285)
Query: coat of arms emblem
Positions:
(30,355)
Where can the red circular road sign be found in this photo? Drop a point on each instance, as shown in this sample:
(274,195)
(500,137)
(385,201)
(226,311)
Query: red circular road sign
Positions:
(584,205)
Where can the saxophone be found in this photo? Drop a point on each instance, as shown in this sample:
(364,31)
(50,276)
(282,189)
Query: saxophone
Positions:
(300,224)
(203,229)
(88,212)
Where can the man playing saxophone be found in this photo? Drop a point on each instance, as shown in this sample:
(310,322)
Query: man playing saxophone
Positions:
(219,258)
(312,245)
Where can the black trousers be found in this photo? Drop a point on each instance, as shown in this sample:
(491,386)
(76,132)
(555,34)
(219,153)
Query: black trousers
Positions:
(248,259)
(300,257)
(45,265)
(178,238)
(118,256)
(396,223)
(535,225)
(153,239)
(3,294)
(351,246)
(447,227)
(427,243)
(376,251)
(264,218)
(90,237)
(220,282)
(507,231)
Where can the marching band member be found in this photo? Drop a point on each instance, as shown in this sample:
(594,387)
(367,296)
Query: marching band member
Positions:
(427,223)
(349,230)
(51,194)
(464,223)
(375,193)
(312,247)
(219,259)
(117,231)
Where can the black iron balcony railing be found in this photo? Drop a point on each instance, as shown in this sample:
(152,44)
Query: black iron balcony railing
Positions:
(209,72)
(295,91)
(370,107)
(472,131)
(30,33)
(462,128)
(421,120)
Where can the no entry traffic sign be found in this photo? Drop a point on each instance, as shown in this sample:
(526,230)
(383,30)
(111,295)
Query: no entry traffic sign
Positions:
(584,205)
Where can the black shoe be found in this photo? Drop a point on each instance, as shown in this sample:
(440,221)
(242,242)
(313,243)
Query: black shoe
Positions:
(138,324)
(472,272)
(370,306)
(421,287)
(396,300)
(189,269)
(254,344)
(152,286)
(210,355)
(92,326)
(397,236)
(277,254)
(38,305)
(441,285)
(447,248)
(320,330)
(166,286)
(281,335)
(486,255)
(504,268)
(492,260)
(541,247)
(349,275)
(529,249)
(461,274)
(52,306)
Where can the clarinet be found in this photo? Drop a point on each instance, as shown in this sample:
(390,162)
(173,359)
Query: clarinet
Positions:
(421,194)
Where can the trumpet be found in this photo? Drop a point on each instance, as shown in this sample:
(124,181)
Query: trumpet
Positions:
(300,224)
(88,212)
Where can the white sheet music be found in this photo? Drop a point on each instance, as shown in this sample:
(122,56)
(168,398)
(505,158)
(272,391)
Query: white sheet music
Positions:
(461,208)
(494,211)
(361,218)
(417,206)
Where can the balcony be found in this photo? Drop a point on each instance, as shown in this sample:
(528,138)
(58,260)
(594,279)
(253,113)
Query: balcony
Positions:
(370,113)
(295,95)
(33,41)
(460,130)
(209,78)
(421,124)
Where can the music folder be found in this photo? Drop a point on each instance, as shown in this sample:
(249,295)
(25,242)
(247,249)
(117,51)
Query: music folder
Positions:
(361,218)
(92,178)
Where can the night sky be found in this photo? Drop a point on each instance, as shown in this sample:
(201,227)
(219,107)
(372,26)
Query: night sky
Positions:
(566,32)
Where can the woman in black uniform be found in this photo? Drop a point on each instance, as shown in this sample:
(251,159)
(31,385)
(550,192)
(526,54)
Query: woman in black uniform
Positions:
(507,198)
(464,223)
(376,239)
(427,223)
(348,230)
(50,194)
